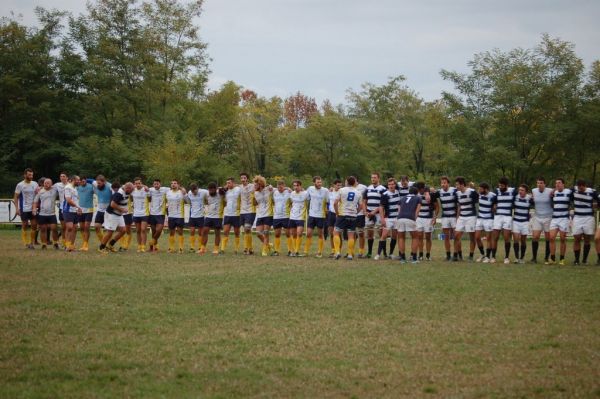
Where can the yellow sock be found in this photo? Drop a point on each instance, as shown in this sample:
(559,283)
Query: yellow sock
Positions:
(32,236)
(127,240)
(192,241)
(224,241)
(307,244)
(24,236)
(216,248)
(67,244)
(351,246)
(237,244)
(85,244)
(250,246)
(99,234)
(361,250)
(245,240)
(171,243)
(337,244)
(277,244)
(181,240)
(290,244)
(152,242)
(321,244)
(298,242)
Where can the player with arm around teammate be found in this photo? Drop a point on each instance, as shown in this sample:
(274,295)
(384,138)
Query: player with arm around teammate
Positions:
(23,201)
(347,205)
(584,224)
(388,209)
(485,223)
(466,198)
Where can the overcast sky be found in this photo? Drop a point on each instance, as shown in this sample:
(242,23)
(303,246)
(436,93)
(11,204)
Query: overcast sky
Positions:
(324,47)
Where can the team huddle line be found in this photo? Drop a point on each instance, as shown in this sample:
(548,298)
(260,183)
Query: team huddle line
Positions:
(350,211)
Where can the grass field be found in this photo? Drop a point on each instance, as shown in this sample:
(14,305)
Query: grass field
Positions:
(160,325)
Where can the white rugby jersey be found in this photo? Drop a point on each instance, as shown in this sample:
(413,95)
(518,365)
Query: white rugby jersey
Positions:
(233,201)
(543,202)
(140,200)
(264,201)
(47,201)
(158,200)
(331,200)
(282,204)
(318,201)
(214,205)
(60,188)
(361,188)
(196,202)
(298,209)
(72,194)
(26,194)
(246,203)
(175,203)
(350,199)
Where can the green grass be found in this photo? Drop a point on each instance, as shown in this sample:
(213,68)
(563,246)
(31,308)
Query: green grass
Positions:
(160,325)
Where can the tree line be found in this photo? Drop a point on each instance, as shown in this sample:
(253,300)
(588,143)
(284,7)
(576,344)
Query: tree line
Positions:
(122,90)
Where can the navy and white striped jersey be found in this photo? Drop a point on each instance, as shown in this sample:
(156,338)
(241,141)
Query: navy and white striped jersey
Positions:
(522,205)
(505,201)
(486,203)
(583,202)
(390,201)
(467,202)
(404,190)
(560,203)
(373,196)
(447,202)
(427,207)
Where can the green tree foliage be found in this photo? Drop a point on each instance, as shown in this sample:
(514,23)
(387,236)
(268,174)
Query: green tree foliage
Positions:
(121,90)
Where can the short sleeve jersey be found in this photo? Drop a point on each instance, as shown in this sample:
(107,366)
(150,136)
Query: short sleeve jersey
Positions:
(298,209)
(317,198)
(233,201)
(214,205)
(141,203)
(47,201)
(247,195)
(175,203)
(282,204)
(264,201)
(158,200)
(26,194)
(71,194)
(197,203)
(349,201)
